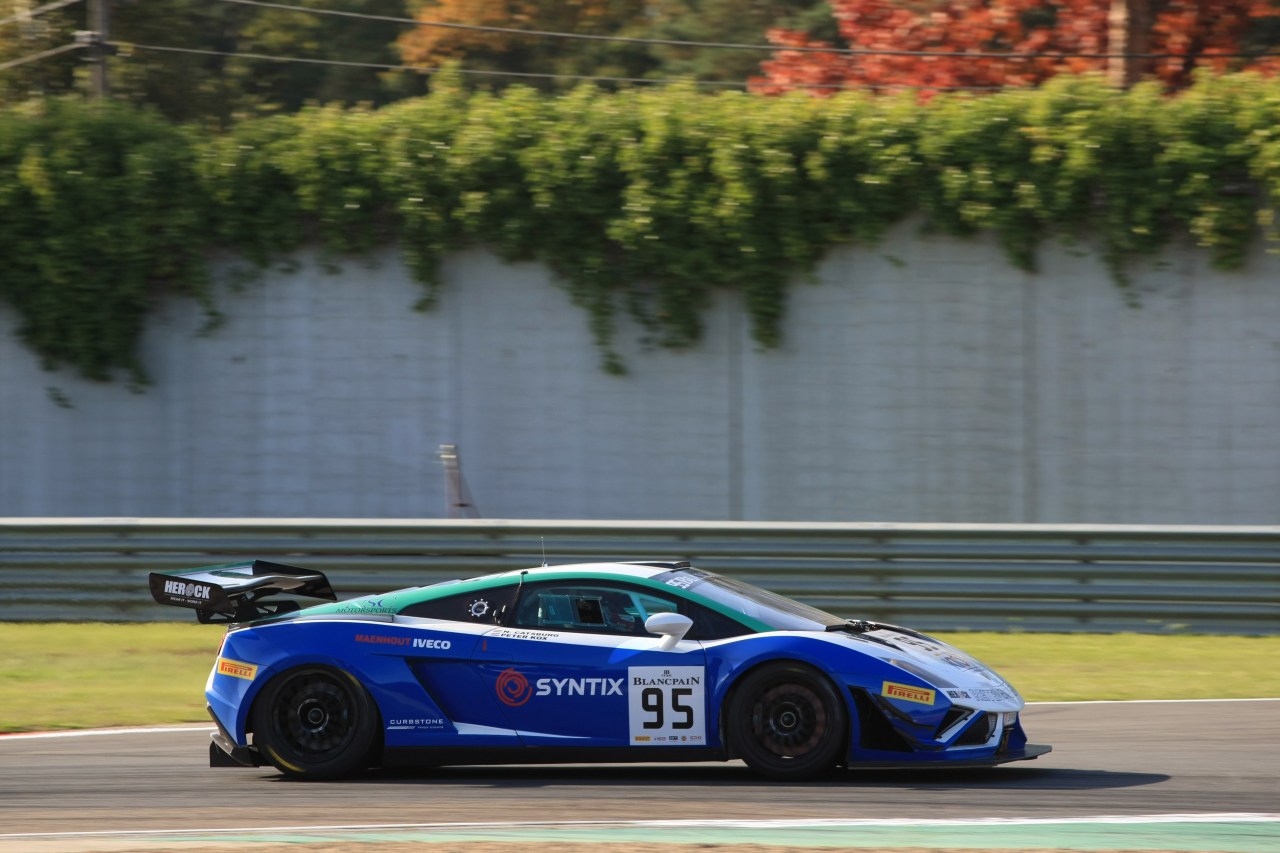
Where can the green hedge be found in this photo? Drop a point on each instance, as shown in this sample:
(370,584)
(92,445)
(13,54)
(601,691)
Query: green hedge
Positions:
(645,200)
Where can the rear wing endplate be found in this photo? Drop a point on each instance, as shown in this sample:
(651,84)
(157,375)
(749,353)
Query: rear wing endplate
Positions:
(234,592)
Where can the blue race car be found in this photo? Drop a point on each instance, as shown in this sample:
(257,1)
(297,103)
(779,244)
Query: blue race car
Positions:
(601,662)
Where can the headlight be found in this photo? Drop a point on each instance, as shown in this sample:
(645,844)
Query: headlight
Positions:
(920,672)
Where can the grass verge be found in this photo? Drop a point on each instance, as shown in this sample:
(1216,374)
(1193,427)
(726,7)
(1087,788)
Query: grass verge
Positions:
(69,676)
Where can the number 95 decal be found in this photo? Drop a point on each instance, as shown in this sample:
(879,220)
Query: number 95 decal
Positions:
(666,705)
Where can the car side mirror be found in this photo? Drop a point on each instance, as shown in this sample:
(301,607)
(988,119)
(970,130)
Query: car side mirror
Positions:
(672,627)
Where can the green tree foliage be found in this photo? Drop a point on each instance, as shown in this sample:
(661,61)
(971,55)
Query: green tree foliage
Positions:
(31,36)
(728,22)
(198,77)
(100,212)
(287,86)
(718,21)
(645,201)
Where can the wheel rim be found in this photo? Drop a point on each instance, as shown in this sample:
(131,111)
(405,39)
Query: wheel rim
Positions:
(313,716)
(789,720)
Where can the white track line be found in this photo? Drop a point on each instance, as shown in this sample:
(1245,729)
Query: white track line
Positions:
(800,823)
(1149,701)
(138,730)
(209,727)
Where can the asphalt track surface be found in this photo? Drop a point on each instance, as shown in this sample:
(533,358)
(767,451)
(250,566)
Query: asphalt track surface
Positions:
(1138,759)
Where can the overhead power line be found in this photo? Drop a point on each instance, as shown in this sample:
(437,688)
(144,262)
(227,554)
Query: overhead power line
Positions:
(125,47)
(44,54)
(39,10)
(772,48)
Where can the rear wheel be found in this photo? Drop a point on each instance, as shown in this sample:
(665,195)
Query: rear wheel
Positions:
(787,722)
(315,723)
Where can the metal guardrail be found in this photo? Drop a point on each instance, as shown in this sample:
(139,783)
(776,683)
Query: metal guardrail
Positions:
(929,576)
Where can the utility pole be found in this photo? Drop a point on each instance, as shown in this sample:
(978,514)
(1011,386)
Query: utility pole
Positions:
(1129,33)
(96,38)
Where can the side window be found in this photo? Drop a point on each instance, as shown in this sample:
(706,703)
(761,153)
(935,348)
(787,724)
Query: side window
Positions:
(613,609)
(595,608)
(708,624)
(486,606)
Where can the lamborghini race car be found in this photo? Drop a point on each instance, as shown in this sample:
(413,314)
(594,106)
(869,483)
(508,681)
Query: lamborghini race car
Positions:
(612,662)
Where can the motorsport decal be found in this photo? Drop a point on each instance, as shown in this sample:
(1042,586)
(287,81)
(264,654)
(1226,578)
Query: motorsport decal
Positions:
(190,593)
(374,606)
(516,634)
(408,642)
(666,705)
(184,589)
(682,578)
(579,687)
(907,693)
(402,723)
(947,655)
(513,688)
(237,669)
(478,608)
(982,694)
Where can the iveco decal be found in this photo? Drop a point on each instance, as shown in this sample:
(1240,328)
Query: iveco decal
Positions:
(416,642)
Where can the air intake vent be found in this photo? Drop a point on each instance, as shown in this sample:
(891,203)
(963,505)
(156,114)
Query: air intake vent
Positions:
(980,731)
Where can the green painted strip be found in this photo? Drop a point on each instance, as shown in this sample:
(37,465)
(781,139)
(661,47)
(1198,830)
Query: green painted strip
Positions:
(1192,836)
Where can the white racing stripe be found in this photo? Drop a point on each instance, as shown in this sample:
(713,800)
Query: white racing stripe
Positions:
(799,823)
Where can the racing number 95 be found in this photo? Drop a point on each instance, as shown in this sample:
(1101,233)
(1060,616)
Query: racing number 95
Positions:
(653,702)
(666,705)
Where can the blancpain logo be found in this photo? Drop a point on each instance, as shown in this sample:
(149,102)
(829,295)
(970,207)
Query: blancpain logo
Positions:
(187,590)
(579,686)
(689,681)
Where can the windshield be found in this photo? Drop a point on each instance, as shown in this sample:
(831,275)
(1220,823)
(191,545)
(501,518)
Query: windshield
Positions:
(776,611)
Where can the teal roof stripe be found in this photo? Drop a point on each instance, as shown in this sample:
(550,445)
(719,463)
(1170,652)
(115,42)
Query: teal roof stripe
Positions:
(399,599)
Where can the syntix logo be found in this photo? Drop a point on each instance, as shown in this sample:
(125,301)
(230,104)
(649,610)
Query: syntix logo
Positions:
(514,689)
(579,686)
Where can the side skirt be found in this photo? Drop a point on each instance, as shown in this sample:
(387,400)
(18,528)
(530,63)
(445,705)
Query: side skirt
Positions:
(1030,751)
(446,756)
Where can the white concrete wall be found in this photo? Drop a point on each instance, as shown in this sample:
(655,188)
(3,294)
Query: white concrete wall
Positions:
(923,380)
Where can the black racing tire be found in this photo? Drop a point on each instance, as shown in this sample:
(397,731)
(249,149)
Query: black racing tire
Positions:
(315,722)
(787,722)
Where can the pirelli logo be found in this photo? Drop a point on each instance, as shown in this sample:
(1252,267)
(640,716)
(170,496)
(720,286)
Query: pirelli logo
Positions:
(907,693)
(236,669)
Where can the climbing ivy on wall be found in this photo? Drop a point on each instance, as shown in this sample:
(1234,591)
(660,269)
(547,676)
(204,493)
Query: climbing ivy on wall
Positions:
(645,200)
(100,212)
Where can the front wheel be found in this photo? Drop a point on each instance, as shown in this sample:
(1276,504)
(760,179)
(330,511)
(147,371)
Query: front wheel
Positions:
(787,722)
(315,723)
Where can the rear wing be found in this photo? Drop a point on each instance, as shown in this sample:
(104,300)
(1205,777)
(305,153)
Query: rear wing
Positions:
(234,592)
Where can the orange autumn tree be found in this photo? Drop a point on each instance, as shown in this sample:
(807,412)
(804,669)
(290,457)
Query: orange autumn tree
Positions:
(1188,34)
(430,46)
